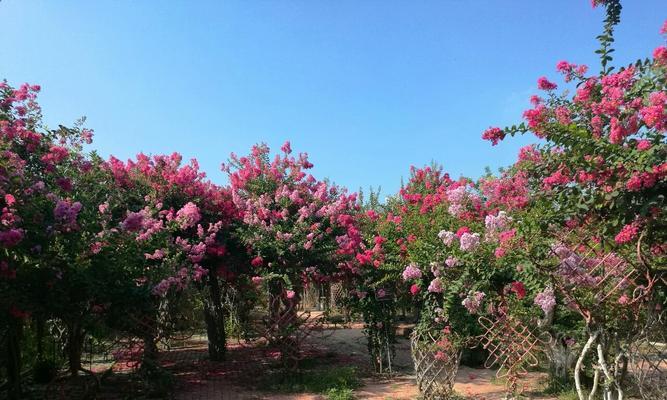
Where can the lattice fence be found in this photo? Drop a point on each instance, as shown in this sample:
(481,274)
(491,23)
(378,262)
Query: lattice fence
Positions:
(435,366)
(287,328)
(323,297)
(512,348)
(648,358)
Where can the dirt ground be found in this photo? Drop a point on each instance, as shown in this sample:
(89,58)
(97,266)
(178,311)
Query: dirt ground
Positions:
(199,379)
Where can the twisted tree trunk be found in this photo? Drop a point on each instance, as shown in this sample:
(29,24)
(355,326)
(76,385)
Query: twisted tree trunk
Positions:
(592,337)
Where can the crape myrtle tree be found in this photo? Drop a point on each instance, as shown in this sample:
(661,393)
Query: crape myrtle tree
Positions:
(598,185)
(296,229)
(50,222)
(373,284)
(25,176)
(465,258)
(459,259)
(447,247)
(144,270)
(45,229)
(86,250)
(201,214)
(119,269)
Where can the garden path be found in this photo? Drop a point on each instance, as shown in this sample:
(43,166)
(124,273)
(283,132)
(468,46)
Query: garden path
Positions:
(199,379)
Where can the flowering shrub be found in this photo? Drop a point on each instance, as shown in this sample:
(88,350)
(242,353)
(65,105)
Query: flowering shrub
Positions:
(297,230)
(439,246)
(91,244)
(375,281)
(196,215)
(45,229)
(603,156)
(294,226)
(597,184)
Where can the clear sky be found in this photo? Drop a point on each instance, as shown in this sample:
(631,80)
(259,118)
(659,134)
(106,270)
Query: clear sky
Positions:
(367,88)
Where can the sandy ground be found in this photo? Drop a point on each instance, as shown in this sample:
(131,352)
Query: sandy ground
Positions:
(348,345)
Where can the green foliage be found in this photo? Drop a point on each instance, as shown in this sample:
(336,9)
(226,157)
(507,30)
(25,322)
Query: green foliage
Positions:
(339,394)
(606,39)
(568,395)
(330,380)
(157,381)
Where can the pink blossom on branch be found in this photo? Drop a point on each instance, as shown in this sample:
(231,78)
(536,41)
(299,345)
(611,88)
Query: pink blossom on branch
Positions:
(628,233)
(643,145)
(473,302)
(469,241)
(494,135)
(544,84)
(546,300)
(66,213)
(188,215)
(435,286)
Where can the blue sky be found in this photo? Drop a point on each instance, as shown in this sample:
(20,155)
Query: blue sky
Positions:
(367,88)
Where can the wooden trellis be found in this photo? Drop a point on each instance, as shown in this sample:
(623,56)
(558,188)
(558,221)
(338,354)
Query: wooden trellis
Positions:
(435,367)
(604,273)
(512,348)
(323,297)
(648,358)
(337,295)
(593,275)
(287,328)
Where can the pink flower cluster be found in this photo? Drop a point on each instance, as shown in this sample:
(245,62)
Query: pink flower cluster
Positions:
(544,84)
(435,286)
(654,114)
(558,178)
(65,214)
(628,233)
(573,268)
(473,302)
(411,272)
(469,241)
(188,216)
(546,299)
(447,237)
(452,262)
(495,224)
(571,71)
(133,221)
(494,134)
(509,191)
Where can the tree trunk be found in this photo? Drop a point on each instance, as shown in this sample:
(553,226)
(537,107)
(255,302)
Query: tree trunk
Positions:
(39,331)
(561,359)
(149,358)
(149,334)
(14,359)
(580,362)
(283,323)
(289,343)
(215,320)
(74,347)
